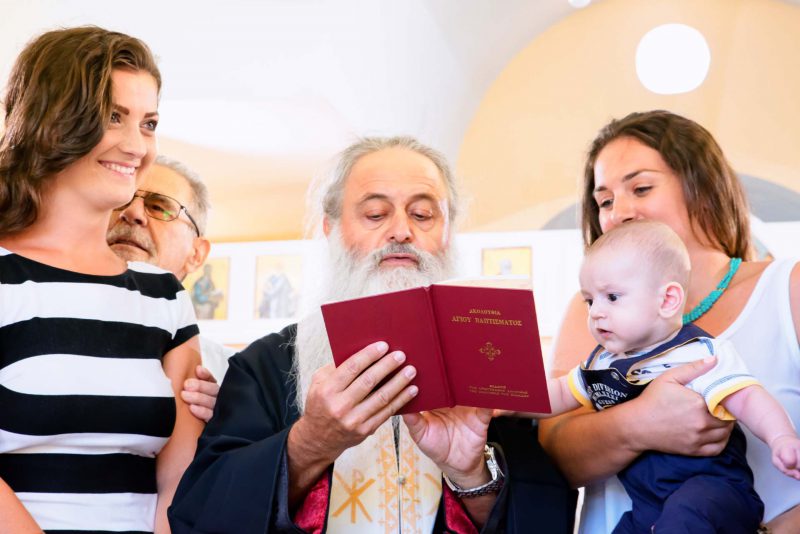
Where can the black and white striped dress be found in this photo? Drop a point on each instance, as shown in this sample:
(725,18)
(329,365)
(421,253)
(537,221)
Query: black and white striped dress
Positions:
(85,405)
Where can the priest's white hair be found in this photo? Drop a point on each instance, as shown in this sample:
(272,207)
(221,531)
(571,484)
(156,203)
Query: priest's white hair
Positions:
(324,199)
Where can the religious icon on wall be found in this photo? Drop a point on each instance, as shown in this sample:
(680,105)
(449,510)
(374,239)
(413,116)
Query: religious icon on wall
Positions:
(278,284)
(506,261)
(208,288)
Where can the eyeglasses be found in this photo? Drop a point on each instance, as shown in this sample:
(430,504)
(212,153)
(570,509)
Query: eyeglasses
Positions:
(161,207)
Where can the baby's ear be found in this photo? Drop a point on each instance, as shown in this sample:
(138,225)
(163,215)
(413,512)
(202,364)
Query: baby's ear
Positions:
(671,297)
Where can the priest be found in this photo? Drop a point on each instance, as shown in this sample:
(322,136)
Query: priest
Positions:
(299,445)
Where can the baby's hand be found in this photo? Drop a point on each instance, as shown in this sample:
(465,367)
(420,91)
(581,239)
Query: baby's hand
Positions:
(786,455)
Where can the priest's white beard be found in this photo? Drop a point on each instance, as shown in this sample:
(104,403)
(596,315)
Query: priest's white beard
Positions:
(350,277)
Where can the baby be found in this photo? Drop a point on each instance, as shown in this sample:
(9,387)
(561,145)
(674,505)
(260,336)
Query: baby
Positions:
(633,281)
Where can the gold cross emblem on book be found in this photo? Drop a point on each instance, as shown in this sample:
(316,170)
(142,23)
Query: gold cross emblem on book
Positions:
(490,351)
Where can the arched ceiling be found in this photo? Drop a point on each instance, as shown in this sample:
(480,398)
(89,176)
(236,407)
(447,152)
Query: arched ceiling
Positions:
(522,155)
(259,95)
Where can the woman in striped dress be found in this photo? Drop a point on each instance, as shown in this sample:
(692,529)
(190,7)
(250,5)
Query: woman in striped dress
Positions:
(93,351)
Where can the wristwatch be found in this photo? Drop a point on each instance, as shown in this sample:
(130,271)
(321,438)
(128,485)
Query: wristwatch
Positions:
(493,486)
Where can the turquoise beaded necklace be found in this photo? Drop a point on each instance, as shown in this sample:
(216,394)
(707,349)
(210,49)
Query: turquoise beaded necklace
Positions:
(714,296)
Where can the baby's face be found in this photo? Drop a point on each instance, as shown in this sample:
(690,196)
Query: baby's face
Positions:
(623,301)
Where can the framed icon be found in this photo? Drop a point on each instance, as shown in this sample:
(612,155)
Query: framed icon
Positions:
(278,286)
(208,288)
(506,261)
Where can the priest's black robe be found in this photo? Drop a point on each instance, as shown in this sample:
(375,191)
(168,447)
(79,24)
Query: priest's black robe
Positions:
(237,480)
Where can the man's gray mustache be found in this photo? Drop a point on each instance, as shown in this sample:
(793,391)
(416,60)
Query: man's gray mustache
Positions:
(397,248)
(125,233)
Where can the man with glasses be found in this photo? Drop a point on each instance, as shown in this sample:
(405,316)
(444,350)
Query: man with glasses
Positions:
(164,225)
(164,222)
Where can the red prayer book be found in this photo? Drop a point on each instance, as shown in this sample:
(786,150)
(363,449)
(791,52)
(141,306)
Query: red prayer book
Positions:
(471,346)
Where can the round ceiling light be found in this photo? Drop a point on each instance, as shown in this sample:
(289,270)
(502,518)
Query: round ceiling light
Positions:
(672,59)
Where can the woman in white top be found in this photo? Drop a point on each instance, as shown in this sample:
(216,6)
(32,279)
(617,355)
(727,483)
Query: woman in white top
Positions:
(661,166)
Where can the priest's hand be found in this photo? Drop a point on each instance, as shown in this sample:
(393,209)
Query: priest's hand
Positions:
(342,408)
(454,438)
